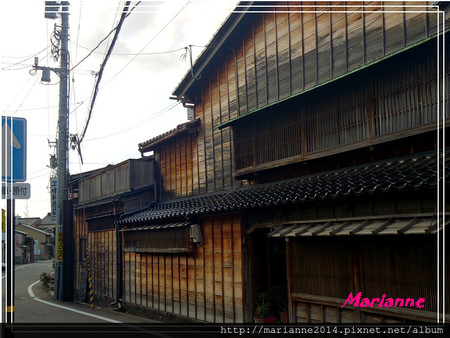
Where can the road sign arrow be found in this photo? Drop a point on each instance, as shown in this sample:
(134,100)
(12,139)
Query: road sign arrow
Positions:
(6,149)
(13,149)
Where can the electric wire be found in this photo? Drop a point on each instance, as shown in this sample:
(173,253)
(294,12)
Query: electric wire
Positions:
(114,24)
(100,74)
(39,108)
(147,53)
(106,37)
(139,53)
(26,96)
(72,73)
(21,63)
(19,92)
(137,123)
(78,30)
(7,68)
(26,58)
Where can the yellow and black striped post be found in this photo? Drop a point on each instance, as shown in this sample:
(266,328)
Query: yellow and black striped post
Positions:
(89,278)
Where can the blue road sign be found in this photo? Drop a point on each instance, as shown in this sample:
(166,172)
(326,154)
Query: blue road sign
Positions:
(14,149)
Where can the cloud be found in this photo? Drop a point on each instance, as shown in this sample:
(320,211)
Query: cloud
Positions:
(127,101)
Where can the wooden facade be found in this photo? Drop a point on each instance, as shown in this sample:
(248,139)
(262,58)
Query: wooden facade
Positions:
(304,87)
(285,92)
(100,198)
(365,109)
(179,175)
(398,268)
(281,60)
(204,285)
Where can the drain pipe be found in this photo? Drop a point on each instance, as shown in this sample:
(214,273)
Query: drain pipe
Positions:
(119,281)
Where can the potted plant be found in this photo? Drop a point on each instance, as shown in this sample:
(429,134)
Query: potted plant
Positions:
(263,307)
(278,298)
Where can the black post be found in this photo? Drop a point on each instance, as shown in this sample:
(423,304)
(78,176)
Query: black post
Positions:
(118,255)
(10,253)
(68,249)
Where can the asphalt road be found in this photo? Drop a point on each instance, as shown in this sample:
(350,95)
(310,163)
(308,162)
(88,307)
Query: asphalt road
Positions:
(33,304)
(38,314)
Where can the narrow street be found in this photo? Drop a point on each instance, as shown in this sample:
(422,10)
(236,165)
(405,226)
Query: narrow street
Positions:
(33,304)
(36,311)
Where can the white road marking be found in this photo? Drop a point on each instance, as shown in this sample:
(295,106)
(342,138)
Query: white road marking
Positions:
(32,295)
(17,268)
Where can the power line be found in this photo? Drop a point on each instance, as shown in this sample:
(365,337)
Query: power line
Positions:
(162,29)
(143,54)
(44,107)
(26,96)
(20,91)
(100,74)
(73,78)
(78,31)
(107,36)
(138,123)
(25,57)
(20,63)
(7,68)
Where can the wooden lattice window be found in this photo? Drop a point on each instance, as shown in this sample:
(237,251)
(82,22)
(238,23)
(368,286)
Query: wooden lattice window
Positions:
(173,240)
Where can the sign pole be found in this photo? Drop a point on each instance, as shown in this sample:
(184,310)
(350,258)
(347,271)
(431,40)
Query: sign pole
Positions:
(10,271)
(14,136)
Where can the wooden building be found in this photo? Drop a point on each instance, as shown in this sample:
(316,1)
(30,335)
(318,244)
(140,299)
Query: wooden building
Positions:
(99,198)
(312,164)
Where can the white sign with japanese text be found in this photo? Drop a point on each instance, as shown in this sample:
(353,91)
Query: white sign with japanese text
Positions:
(16,191)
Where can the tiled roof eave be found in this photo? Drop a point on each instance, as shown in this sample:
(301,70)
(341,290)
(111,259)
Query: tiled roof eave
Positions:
(394,175)
(149,145)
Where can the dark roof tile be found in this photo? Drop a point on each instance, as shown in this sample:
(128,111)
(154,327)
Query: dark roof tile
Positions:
(396,174)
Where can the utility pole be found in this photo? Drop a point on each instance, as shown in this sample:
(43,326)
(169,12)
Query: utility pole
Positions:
(62,142)
(60,50)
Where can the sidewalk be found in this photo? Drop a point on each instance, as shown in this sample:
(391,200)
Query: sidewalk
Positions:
(135,325)
(108,312)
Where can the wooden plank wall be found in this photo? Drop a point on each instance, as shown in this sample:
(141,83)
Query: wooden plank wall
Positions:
(206,285)
(280,54)
(388,101)
(308,309)
(102,253)
(106,183)
(397,267)
(179,170)
(80,231)
(102,256)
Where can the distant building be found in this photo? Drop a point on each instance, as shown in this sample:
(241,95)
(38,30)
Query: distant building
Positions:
(47,224)
(31,221)
(42,245)
(21,254)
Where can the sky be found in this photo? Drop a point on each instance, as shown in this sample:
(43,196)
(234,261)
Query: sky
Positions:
(148,62)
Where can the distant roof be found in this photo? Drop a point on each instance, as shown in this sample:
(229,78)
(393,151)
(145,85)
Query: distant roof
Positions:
(47,220)
(180,129)
(30,228)
(28,220)
(406,172)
